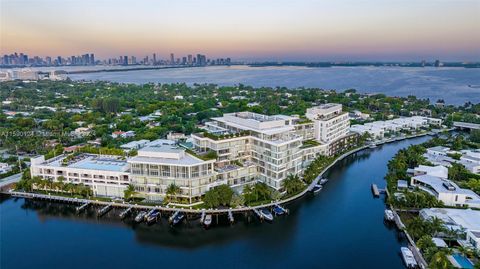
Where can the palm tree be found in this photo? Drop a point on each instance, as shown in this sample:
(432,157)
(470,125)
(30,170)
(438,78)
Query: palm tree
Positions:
(292,184)
(172,191)
(436,225)
(129,192)
(440,261)
(466,251)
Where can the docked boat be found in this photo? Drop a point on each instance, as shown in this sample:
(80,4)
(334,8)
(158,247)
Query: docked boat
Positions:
(266,215)
(177,217)
(372,146)
(279,210)
(408,257)
(323,181)
(388,215)
(153,216)
(140,216)
(317,188)
(207,221)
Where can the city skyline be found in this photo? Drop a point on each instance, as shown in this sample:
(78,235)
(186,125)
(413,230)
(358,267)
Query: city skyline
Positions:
(246,30)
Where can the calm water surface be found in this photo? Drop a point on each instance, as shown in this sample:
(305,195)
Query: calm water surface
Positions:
(454,85)
(342,227)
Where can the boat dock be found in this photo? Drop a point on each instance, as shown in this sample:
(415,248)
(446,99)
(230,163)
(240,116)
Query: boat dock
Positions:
(376,191)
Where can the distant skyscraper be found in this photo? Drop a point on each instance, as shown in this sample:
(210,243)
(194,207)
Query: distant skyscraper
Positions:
(172,58)
(92,59)
(154,58)
(125,60)
(190,60)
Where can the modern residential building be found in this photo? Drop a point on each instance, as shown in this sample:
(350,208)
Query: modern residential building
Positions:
(380,129)
(437,171)
(446,191)
(465,221)
(270,142)
(162,163)
(444,156)
(235,149)
(330,122)
(106,175)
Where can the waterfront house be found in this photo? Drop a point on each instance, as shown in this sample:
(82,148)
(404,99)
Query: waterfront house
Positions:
(465,221)
(438,171)
(446,191)
(443,156)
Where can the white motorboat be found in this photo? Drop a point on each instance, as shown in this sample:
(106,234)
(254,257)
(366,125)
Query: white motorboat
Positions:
(266,214)
(388,215)
(207,221)
(140,217)
(408,257)
(317,188)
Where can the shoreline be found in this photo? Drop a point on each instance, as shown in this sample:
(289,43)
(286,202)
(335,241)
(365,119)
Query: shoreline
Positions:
(57,198)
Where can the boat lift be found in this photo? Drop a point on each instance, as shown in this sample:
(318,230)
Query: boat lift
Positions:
(104,210)
(124,213)
(82,207)
(230,217)
(202,217)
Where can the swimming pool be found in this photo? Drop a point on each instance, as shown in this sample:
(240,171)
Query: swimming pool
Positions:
(462,261)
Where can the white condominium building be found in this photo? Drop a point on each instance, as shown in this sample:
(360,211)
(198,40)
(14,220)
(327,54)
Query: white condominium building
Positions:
(106,175)
(330,122)
(162,163)
(235,149)
(269,142)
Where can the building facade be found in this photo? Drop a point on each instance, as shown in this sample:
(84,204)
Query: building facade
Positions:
(235,149)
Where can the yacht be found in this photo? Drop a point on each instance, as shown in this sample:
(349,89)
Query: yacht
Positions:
(323,181)
(408,258)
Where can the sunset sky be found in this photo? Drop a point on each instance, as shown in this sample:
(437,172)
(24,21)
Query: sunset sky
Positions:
(245,29)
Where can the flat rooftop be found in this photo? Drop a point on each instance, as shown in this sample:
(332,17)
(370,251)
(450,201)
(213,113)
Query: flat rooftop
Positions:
(186,160)
(467,218)
(93,162)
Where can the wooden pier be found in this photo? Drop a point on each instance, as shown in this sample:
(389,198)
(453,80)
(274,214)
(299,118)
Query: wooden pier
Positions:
(375,191)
